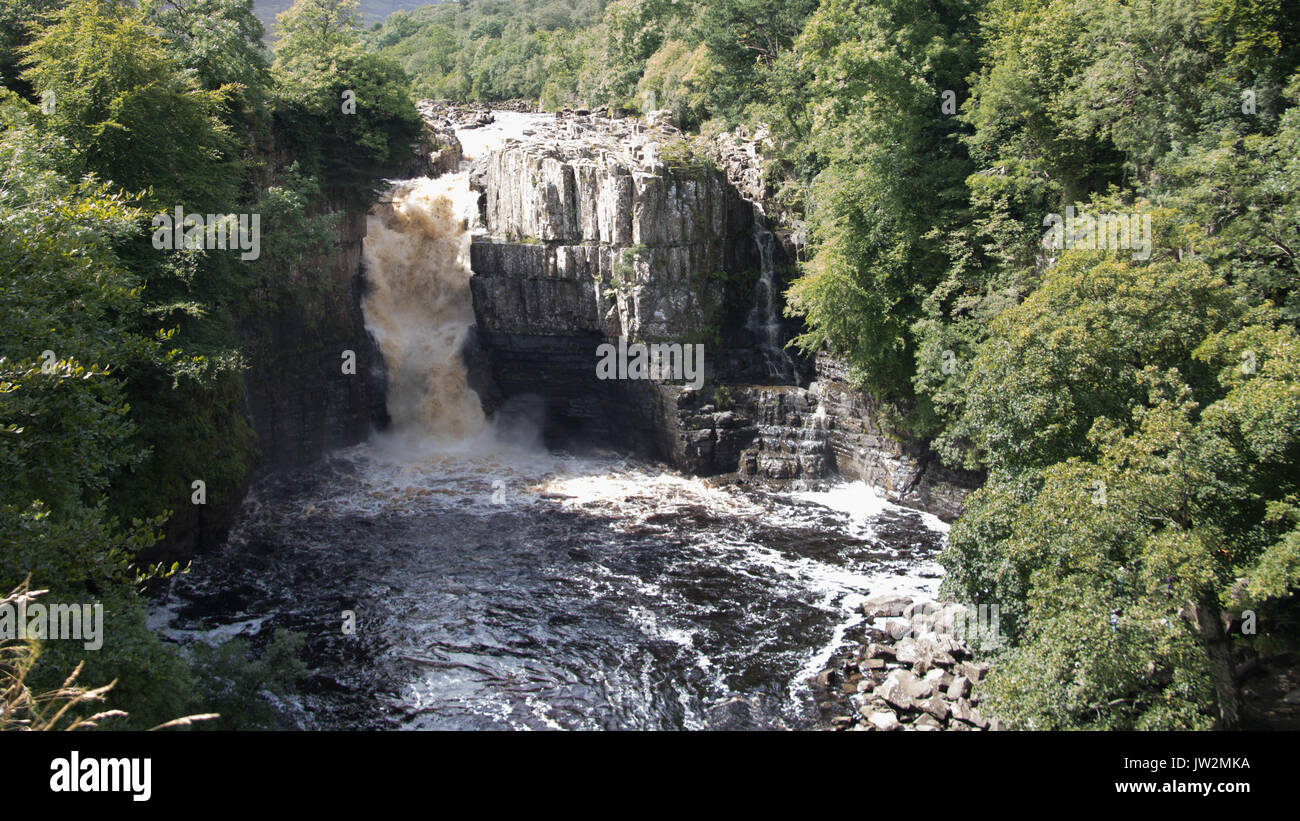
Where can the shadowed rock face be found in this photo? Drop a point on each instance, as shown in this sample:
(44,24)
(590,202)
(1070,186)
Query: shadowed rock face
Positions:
(590,236)
(298,398)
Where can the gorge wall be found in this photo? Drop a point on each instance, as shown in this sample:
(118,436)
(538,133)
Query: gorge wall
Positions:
(596,230)
(296,397)
(299,401)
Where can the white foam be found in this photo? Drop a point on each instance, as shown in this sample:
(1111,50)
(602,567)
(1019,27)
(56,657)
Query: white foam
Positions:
(475,142)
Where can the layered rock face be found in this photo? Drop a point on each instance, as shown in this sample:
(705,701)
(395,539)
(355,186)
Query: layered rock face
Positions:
(592,236)
(438,151)
(300,401)
(782,435)
(599,229)
(619,243)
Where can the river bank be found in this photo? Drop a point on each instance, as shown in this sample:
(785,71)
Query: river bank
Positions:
(906,666)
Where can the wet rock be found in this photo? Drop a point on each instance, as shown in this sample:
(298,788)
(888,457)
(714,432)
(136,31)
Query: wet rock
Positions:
(826,679)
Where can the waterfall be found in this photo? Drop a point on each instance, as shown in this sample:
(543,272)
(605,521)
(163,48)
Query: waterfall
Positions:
(763,321)
(419,306)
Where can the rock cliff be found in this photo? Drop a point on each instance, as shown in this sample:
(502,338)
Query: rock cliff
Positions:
(299,400)
(597,229)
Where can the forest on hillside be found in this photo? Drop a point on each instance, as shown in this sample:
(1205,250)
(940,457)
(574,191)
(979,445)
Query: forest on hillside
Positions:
(1058,237)
(1136,408)
(119,365)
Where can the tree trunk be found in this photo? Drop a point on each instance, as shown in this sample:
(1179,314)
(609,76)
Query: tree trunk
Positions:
(1215,639)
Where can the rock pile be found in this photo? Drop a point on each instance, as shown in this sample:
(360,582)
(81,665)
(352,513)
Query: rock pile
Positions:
(740,156)
(454,116)
(910,672)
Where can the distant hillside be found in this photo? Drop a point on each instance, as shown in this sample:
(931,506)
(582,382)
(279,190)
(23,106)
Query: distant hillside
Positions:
(374,11)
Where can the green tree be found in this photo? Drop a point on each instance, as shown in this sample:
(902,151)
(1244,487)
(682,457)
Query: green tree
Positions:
(127,112)
(345,113)
(1143,440)
(69,314)
(890,178)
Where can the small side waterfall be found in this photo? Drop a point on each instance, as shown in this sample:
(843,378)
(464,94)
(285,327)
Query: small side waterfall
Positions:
(763,321)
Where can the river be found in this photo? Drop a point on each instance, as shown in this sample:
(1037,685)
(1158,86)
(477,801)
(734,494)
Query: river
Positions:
(452,574)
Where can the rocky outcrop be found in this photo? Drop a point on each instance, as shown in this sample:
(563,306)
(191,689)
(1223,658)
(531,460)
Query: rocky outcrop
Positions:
(740,156)
(595,230)
(779,435)
(300,399)
(860,444)
(438,150)
(910,669)
(611,236)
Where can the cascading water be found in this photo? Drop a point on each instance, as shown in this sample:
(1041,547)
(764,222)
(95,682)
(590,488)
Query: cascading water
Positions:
(419,307)
(495,585)
(763,321)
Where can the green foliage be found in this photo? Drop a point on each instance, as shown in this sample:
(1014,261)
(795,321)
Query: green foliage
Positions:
(1159,488)
(320,67)
(481,51)
(126,111)
(722,398)
(155,106)
(676,79)
(219,40)
(888,176)
(236,682)
(17,20)
(744,40)
(1141,455)
(66,429)
(1236,202)
(1092,325)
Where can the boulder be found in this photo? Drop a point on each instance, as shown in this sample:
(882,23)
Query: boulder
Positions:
(926,723)
(885,606)
(923,651)
(902,689)
(882,651)
(959,688)
(936,707)
(885,721)
(972,670)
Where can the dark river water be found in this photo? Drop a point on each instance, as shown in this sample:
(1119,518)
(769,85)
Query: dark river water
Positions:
(499,587)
